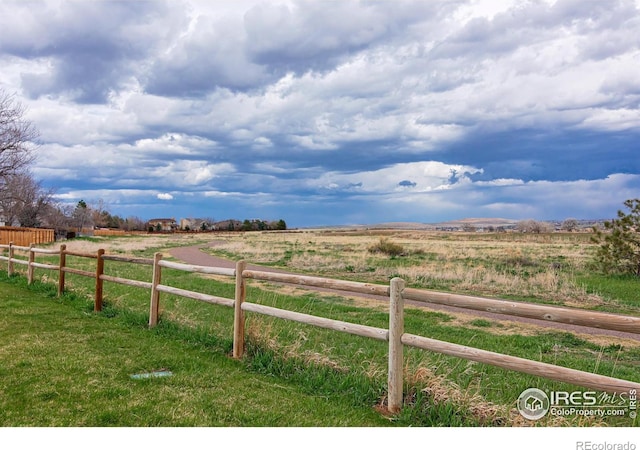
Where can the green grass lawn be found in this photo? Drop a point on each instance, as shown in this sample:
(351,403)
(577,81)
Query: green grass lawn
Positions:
(622,291)
(63,365)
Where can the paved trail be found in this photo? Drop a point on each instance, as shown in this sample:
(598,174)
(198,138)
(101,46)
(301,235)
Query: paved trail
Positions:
(194,255)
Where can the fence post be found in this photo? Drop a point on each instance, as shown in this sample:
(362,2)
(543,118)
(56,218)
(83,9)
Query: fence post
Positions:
(61,265)
(30,268)
(10,262)
(396,329)
(238,314)
(97,307)
(155,294)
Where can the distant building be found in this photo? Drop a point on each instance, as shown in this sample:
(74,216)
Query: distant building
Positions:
(196,224)
(4,222)
(162,224)
(187,224)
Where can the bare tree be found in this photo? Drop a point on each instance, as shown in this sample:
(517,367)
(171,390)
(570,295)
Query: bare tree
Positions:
(533,226)
(17,136)
(469,227)
(569,224)
(134,223)
(58,216)
(100,214)
(525,226)
(23,200)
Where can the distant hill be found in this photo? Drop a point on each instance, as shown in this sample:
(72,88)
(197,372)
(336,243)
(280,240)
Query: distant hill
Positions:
(452,224)
(402,226)
(477,222)
(480,224)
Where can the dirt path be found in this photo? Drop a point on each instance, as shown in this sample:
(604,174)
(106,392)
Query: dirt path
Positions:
(194,255)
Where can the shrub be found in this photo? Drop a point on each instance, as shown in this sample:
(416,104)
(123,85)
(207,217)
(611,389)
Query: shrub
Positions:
(387,247)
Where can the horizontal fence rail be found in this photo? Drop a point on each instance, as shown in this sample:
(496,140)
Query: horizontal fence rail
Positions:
(81,255)
(196,295)
(594,319)
(43,266)
(44,251)
(23,262)
(84,273)
(380,334)
(126,281)
(198,269)
(394,335)
(142,261)
(328,283)
(540,369)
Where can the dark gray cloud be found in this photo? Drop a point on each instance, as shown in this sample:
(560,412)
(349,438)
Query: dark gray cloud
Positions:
(539,22)
(92,48)
(534,155)
(317,36)
(211,56)
(275,39)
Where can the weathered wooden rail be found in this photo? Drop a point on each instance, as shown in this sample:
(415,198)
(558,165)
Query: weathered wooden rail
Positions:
(571,316)
(394,334)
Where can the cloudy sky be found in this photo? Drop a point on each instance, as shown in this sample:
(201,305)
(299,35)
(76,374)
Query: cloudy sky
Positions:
(332,112)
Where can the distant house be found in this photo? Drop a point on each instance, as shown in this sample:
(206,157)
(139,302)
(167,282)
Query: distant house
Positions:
(187,224)
(6,222)
(162,224)
(196,224)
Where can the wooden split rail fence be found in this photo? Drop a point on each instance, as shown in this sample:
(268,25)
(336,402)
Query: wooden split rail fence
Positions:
(394,334)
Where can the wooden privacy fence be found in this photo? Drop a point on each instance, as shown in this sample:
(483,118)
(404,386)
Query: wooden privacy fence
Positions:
(26,236)
(394,334)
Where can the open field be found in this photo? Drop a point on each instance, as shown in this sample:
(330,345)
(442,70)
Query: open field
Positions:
(441,391)
(543,268)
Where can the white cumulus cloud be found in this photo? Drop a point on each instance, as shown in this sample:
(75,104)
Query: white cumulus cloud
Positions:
(164,196)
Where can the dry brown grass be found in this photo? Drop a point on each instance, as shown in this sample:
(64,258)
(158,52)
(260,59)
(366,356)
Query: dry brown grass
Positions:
(130,244)
(441,390)
(511,265)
